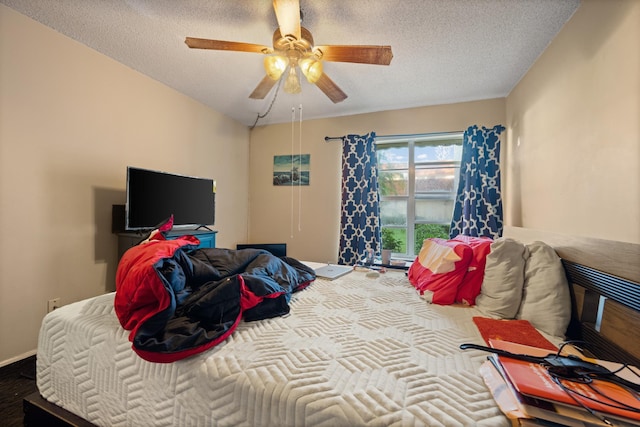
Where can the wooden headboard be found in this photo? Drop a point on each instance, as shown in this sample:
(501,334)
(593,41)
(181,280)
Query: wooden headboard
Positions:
(604,277)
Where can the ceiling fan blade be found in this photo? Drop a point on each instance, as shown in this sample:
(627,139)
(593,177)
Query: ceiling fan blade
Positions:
(363,54)
(196,43)
(331,89)
(263,88)
(288,16)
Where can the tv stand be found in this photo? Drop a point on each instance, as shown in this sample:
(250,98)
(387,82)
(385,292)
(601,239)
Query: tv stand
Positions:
(128,240)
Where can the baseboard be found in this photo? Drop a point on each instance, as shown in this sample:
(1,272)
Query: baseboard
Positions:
(18,358)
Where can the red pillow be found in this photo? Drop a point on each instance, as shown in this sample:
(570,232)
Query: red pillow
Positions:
(439,268)
(472,282)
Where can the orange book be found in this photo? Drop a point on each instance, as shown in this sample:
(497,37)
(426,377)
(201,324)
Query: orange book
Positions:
(533,380)
(521,407)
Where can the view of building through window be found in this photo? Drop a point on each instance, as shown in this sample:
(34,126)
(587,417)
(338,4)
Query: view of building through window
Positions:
(418,181)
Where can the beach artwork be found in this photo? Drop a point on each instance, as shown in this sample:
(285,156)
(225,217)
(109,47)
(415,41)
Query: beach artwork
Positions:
(291,169)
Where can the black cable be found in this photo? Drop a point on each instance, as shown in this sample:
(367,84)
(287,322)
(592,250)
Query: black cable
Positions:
(585,407)
(262,116)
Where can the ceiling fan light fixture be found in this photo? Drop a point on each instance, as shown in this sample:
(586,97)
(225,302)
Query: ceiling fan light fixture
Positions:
(311,68)
(292,84)
(293,46)
(275,65)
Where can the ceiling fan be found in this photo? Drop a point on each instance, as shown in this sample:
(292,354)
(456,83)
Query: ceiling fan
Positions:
(293,48)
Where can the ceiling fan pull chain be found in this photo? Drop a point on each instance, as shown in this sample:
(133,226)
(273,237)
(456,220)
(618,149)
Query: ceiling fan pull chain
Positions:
(300,172)
(293,121)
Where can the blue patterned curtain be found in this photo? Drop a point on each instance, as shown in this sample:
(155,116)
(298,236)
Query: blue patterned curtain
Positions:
(478,206)
(360,211)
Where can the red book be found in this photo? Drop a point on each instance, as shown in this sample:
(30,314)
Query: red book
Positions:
(533,380)
(514,330)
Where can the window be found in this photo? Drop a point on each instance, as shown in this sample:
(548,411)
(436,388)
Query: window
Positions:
(418,181)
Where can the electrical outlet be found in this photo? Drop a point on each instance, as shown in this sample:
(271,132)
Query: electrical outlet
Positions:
(52,304)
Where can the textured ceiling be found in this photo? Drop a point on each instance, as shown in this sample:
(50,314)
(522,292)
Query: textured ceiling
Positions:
(444,51)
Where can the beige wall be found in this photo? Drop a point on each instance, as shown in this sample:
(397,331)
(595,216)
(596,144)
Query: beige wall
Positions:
(71,120)
(308,218)
(573,126)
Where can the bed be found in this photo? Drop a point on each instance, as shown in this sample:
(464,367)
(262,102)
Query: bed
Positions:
(353,351)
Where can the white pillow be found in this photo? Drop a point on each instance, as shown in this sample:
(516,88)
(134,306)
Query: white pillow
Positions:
(546,300)
(501,290)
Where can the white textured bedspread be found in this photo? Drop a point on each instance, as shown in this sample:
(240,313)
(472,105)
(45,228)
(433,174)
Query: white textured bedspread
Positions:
(353,352)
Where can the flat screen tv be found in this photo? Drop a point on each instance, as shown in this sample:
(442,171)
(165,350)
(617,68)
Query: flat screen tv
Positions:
(153,196)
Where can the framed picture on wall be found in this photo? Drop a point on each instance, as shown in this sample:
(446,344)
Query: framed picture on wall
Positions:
(291,169)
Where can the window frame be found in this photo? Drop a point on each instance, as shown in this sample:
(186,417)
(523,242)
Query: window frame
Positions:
(411,197)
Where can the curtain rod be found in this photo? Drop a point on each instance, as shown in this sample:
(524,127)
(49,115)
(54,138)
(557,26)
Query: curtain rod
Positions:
(410,135)
(406,135)
(332,138)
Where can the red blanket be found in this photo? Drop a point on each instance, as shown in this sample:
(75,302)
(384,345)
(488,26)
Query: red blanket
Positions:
(178,300)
